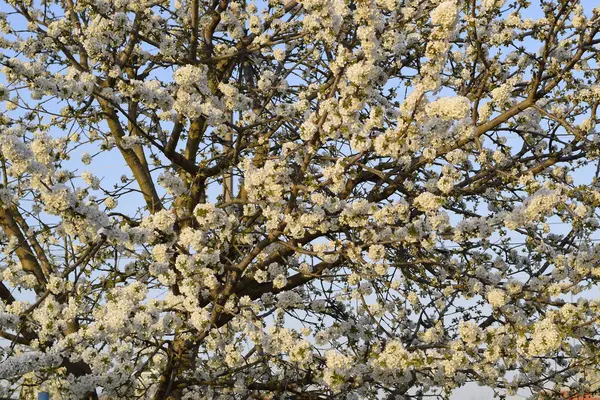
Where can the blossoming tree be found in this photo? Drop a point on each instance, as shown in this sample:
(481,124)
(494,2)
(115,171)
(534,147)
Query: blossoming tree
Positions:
(306,199)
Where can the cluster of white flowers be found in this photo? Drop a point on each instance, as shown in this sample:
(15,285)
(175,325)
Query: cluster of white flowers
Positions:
(102,33)
(335,174)
(361,72)
(445,14)
(473,227)
(502,93)
(470,332)
(152,93)
(546,338)
(209,217)
(191,76)
(192,97)
(26,362)
(92,180)
(444,18)
(323,19)
(338,369)
(497,298)
(18,153)
(535,208)
(162,221)
(394,357)
(266,183)
(449,108)
(428,202)
(235,100)
(172,183)
(8,320)
(288,299)
(58,199)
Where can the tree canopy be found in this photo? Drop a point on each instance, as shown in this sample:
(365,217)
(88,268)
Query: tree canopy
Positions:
(302,199)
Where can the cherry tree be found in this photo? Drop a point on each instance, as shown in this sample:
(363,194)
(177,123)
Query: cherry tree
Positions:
(309,199)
